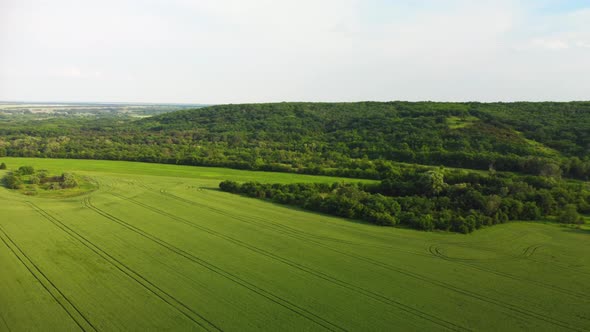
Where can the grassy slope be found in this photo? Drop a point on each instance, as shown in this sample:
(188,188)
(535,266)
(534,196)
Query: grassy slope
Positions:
(154,248)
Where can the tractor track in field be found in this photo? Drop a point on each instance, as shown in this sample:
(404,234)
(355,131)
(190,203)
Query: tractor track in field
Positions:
(507,306)
(432,249)
(286,229)
(132,274)
(75,314)
(336,225)
(283,229)
(344,284)
(206,191)
(530,250)
(217,234)
(225,274)
(558,266)
(5,323)
(438,251)
(527,254)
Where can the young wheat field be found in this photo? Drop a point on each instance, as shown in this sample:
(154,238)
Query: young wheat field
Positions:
(159,247)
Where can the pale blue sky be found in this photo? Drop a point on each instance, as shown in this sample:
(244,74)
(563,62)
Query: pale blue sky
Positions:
(232,51)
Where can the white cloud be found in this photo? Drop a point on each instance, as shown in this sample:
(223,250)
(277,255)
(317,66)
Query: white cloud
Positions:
(261,50)
(550,44)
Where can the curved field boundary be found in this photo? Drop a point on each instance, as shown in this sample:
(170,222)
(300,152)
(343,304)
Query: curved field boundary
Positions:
(56,294)
(192,315)
(341,283)
(225,274)
(523,312)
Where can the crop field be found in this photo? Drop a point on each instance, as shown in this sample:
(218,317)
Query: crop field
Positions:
(158,247)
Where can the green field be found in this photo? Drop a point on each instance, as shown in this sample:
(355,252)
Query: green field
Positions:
(158,247)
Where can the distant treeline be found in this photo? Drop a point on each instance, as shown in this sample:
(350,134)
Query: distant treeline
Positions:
(343,139)
(427,199)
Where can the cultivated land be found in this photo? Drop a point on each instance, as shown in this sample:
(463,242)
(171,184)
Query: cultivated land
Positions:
(159,247)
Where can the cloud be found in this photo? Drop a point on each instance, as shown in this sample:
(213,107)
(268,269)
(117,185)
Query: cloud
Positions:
(549,44)
(74,72)
(219,51)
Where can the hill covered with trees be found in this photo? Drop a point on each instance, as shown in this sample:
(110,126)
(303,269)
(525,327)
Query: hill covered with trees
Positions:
(346,139)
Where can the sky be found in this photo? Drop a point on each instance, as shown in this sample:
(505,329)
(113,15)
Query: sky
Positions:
(242,51)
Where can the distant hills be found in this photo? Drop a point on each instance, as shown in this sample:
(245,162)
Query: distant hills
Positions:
(351,139)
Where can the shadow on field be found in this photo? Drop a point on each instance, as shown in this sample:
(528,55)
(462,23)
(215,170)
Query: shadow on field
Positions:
(577,230)
(210,188)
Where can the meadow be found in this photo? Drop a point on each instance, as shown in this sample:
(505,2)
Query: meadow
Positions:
(159,247)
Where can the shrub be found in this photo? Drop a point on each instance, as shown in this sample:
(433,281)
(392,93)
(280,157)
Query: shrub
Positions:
(68,180)
(12,181)
(3,166)
(35,179)
(570,215)
(26,170)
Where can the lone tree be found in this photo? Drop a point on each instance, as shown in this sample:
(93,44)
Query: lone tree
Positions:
(3,166)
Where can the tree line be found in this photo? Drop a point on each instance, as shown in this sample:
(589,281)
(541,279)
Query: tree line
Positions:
(429,199)
(341,139)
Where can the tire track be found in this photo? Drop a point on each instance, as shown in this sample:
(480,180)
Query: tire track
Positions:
(5,323)
(505,305)
(527,255)
(345,226)
(484,298)
(227,275)
(433,251)
(220,235)
(439,252)
(83,323)
(324,276)
(528,252)
(185,310)
(283,229)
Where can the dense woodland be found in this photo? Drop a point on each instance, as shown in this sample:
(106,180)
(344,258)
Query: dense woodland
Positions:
(428,199)
(525,153)
(345,139)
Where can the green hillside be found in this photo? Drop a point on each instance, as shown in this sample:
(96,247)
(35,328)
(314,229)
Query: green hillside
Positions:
(347,139)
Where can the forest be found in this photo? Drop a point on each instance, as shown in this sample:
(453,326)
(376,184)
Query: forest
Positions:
(428,199)
(358,140)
